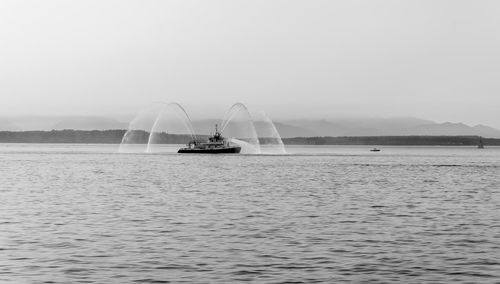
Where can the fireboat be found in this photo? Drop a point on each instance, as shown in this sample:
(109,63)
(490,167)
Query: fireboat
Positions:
(216,144)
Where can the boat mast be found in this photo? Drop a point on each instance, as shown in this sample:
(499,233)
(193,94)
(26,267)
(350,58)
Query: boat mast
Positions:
(481,144)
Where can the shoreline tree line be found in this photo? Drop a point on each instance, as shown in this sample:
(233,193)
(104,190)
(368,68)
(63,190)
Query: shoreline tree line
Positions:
(141,137)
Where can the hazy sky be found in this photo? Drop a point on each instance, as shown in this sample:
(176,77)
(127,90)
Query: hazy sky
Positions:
(432,59)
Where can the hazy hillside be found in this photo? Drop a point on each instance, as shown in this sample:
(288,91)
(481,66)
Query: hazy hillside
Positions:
(285,130)
(44,123)
(27,123)
(7,125)
(90,123)
(455,129)
(389,127)
(361,126)
(399,126)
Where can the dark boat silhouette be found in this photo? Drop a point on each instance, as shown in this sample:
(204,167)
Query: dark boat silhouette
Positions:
(215,144)
(481,144)
(375,150)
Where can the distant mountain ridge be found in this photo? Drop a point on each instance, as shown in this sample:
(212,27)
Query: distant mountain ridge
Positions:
(338,127)
(7,125)
(90,123)
(389,127)
(46,123)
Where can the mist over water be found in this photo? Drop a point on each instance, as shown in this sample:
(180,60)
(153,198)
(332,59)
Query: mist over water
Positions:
(84,213)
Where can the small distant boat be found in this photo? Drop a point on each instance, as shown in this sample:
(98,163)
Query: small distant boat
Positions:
(215,144)
(375,150)
(480,145)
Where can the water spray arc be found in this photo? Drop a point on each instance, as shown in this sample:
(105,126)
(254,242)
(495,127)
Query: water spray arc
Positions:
(134,139)
(269,137)
(239,125)
(163,120)
(162,123)
(152,123)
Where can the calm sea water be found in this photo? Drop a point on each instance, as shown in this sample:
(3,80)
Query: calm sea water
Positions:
(87,214)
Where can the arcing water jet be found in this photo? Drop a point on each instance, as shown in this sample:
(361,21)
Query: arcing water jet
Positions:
(238,124)
(172,120)
(137,135)
(162,123)
(157,124)
(269,138)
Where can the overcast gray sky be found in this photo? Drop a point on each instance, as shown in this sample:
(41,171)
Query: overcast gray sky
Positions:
(432,59)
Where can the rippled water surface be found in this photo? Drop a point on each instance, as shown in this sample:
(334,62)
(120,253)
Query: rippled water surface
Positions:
(87,214)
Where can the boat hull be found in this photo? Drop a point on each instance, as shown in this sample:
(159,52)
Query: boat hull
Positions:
(225,150)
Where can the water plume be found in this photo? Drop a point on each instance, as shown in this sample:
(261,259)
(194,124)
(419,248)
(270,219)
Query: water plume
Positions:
(238,126)
(246,148)
(136,137)
(172,125)
(168,123)
(159,123)
(269,137)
